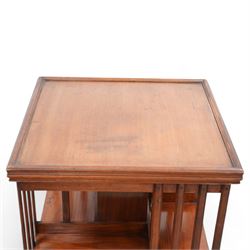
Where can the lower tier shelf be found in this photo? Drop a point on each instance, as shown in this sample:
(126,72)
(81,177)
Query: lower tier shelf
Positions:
(77,241)
(115,236)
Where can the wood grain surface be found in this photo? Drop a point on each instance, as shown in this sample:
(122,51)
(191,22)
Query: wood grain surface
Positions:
(124,128)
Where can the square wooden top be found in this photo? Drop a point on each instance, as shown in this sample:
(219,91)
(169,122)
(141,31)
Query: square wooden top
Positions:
(149,130)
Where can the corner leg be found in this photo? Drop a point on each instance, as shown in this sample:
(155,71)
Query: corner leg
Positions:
(20,200)
(221,217)
(178,216)
(199,215)
(156,216)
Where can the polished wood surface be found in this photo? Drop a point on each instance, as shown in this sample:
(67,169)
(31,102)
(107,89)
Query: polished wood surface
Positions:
(116,129)
(110,125)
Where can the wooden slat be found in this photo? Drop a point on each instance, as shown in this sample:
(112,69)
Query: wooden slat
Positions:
(31,219)
(65,206)
(198,223)
(27,224)
(156,217)
(20,200)
(178,216)
(221,217)
(34,210)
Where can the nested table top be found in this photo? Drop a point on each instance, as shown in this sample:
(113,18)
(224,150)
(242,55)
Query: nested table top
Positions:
(124,129)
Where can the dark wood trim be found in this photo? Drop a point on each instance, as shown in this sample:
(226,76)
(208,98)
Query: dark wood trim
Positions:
(200,176)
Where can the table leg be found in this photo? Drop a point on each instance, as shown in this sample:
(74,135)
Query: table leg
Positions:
(20,200)
(66,206)
(33,202)
(26,209)
(156,216)
(31,217)
(198,222)
(221,217)
(27,224)
(178,216)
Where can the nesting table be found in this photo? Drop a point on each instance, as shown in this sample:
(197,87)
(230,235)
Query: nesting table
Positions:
(126,163)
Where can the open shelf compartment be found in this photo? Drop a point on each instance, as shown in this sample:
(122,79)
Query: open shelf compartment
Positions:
(84,232)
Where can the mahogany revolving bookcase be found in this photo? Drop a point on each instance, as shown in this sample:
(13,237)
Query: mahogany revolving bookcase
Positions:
(126,164)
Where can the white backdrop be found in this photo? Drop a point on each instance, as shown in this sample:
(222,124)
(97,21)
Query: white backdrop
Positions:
(161,39)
